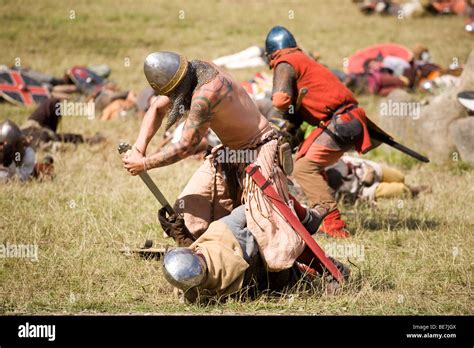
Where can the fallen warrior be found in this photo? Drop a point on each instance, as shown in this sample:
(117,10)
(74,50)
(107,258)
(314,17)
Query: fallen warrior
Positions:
(225,261)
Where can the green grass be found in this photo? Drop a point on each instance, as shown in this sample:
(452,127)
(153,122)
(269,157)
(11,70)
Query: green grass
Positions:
(417,253)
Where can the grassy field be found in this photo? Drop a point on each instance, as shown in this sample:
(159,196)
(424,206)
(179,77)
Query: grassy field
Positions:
(418,254)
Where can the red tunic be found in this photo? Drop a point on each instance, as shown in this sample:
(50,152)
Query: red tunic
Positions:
(325,94)
(325,91)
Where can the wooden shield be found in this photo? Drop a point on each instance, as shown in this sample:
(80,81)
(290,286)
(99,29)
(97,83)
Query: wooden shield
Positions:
(86,80)
(21,90)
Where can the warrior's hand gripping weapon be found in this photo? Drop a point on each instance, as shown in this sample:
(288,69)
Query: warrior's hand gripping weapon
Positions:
(124,147)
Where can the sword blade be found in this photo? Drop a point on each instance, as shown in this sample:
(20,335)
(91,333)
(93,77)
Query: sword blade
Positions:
(389,141)
(156,191)
(124,147)
(409,152)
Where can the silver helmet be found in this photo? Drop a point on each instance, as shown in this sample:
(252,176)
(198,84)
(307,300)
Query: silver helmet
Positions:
(466,98)
(9,132)
(165,70)
(183,268)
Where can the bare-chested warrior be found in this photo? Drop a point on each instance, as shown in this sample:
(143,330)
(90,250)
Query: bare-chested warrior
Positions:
(210,98)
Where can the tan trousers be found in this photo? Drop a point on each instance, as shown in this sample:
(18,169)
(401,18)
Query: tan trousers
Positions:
(309,175)
(206,198)
(392,184)
(392,175)
(391,189)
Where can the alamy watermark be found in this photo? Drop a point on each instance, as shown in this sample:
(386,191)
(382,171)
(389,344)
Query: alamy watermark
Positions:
(23,251)
(342,251)
(67,108)
(28,330)
(226,155)
(392,108)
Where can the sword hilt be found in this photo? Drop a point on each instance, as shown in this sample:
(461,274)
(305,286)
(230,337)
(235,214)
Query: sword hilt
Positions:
(123,147)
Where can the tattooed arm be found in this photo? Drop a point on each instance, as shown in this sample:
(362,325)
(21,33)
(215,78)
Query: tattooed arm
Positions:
(195,128)
(197,123)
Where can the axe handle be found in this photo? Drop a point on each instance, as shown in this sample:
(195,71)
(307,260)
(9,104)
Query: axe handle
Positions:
(302,92)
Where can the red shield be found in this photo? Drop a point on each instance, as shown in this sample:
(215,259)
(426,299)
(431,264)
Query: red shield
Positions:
(86,81)
(357,60)
(21,90)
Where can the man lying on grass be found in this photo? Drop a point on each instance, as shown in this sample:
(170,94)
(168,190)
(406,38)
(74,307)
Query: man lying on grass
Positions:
(355,178)
(225,261)
(18,158)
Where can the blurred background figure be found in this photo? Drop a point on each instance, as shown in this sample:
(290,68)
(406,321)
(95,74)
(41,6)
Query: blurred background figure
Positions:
(17,157)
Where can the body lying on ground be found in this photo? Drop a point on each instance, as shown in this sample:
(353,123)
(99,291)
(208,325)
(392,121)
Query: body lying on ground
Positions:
(250,57)
(42,126)
(225,260)
(414,8)
(18,158)
(385,73)
(354,178)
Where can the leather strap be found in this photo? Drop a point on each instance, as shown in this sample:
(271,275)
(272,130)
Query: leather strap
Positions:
(254,171)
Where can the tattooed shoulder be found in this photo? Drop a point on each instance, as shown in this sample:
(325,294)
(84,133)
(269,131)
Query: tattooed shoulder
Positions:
(201,108)
(215,91)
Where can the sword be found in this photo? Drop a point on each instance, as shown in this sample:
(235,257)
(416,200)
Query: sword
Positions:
(378,134)
(124,147)
(400,147)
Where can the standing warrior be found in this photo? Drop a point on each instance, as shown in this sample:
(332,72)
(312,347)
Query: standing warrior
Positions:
(209,98)
(328,104)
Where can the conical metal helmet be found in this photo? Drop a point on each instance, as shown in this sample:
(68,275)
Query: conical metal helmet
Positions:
(9,132)
(165,70)
(183,268)
(278,38)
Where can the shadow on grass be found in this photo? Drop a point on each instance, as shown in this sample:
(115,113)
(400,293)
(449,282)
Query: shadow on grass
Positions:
(397,223)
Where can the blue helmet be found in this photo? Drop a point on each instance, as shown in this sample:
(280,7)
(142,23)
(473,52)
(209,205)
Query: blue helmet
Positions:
(278,38)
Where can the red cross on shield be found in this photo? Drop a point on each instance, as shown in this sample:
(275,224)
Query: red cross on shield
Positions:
(21,90)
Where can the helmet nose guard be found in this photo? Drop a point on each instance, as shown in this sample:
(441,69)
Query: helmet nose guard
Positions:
(183,268)
(278,38)
(165,70)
